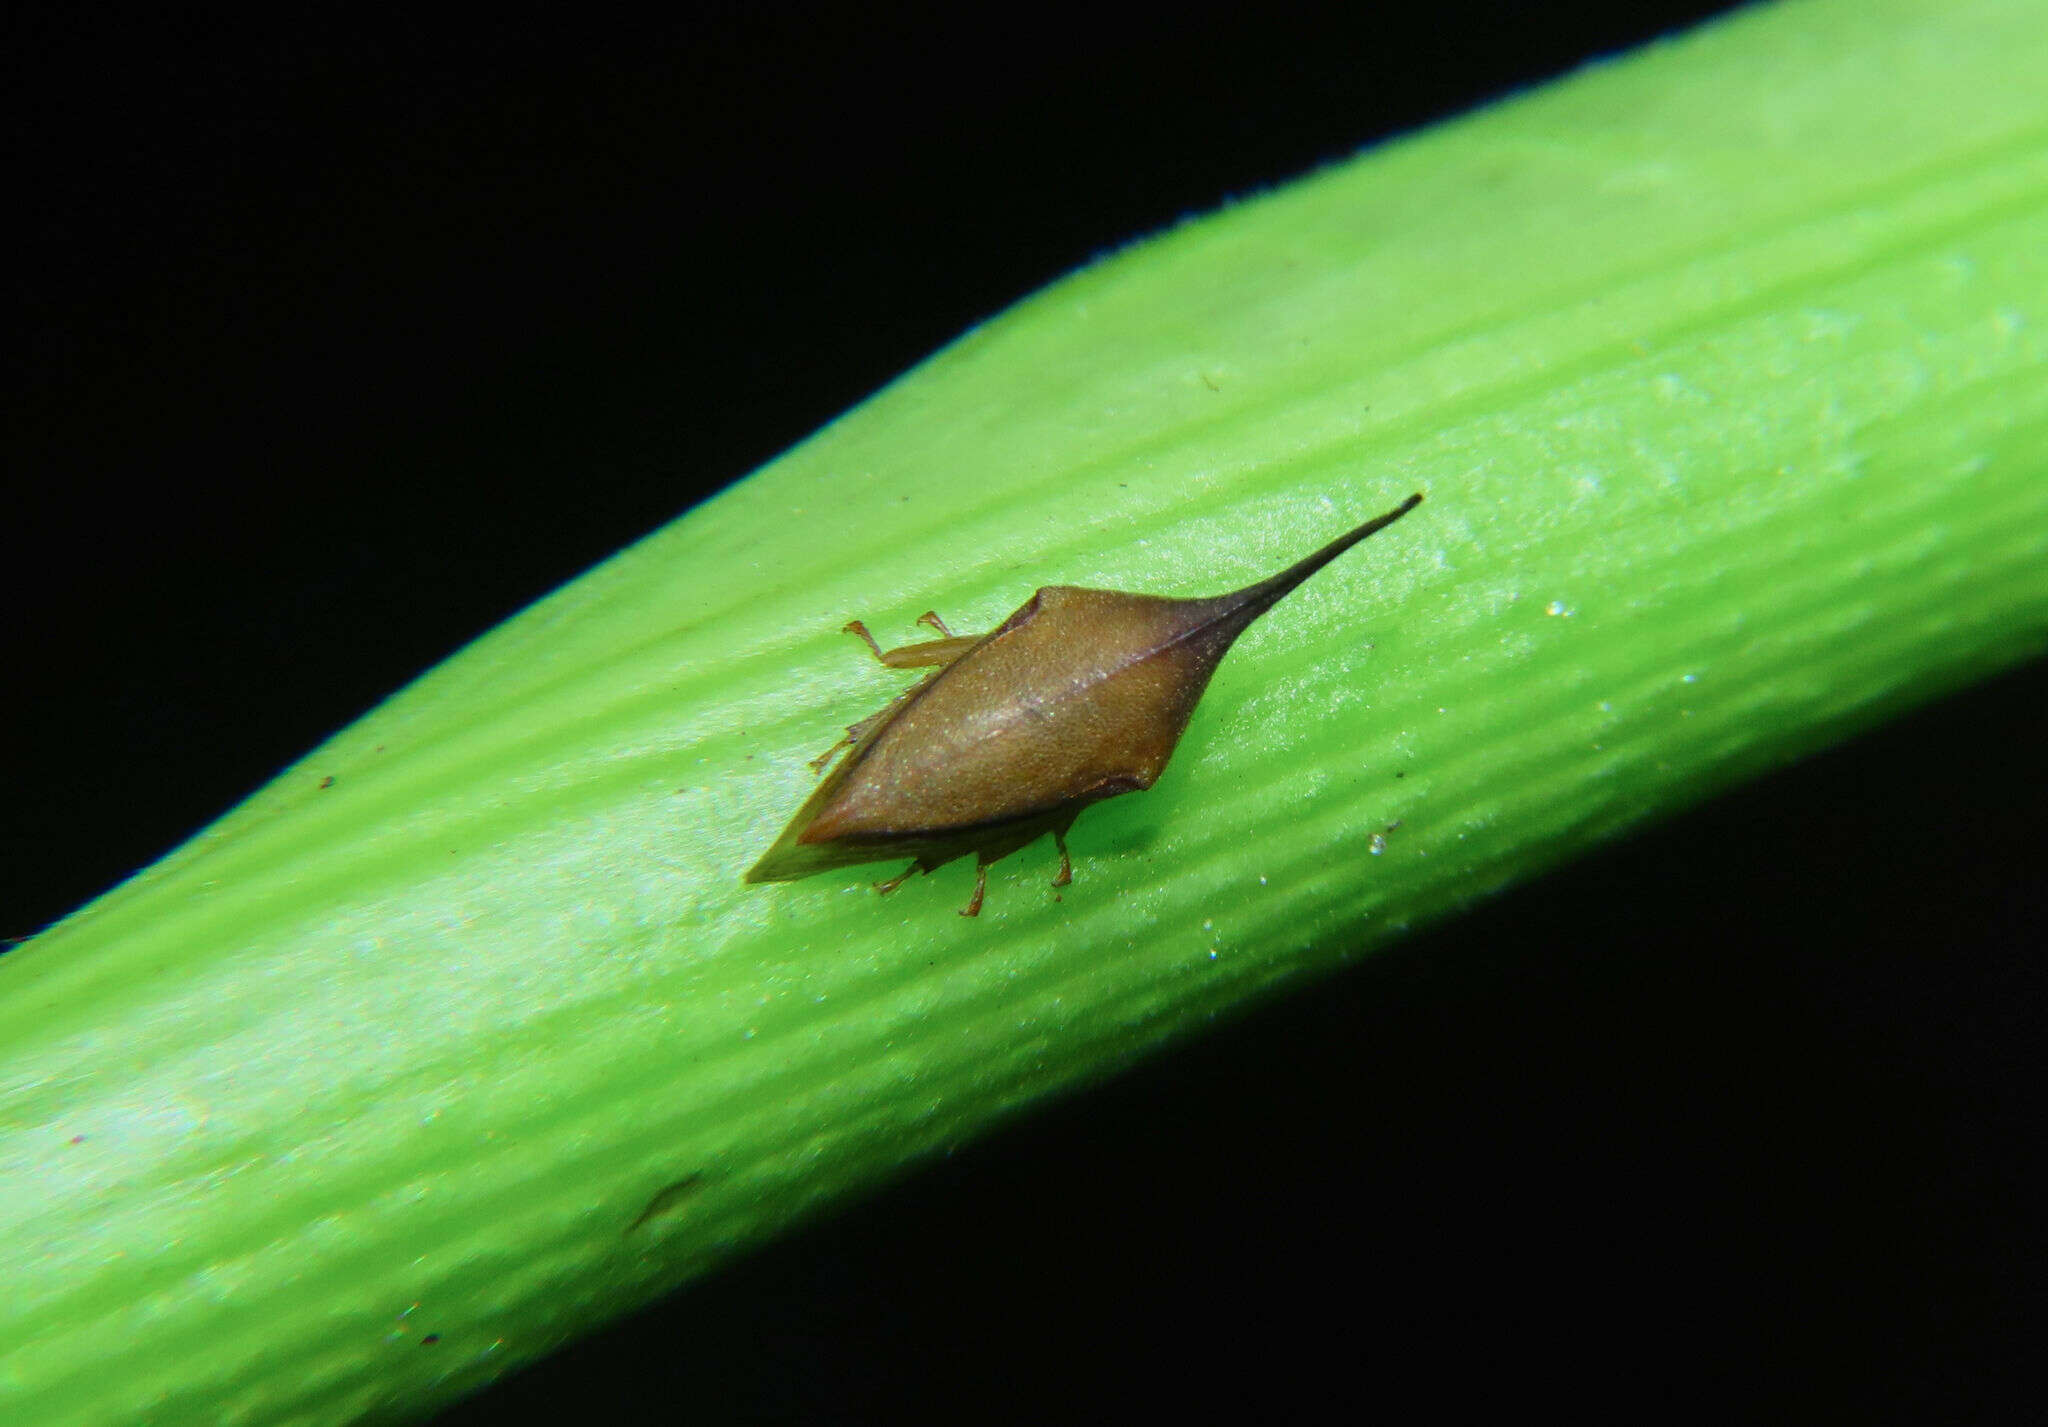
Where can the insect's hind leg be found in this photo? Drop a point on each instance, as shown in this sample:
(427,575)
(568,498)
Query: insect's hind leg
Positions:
(973,907)
(1066,872)
(854,733)
(885,888)
(928,863)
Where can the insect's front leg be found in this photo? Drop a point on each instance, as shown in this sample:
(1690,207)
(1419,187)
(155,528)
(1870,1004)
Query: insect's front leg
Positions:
(931,653)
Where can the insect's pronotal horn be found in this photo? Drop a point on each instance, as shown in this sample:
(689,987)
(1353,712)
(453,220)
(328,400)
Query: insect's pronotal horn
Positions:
(1266,593)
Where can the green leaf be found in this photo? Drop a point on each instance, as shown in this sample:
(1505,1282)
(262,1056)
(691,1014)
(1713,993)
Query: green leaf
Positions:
(1726,375)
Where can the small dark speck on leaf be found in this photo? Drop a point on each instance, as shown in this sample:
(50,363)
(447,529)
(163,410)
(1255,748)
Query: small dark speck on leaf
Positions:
(430,1340)
(328,781)
(1402,774)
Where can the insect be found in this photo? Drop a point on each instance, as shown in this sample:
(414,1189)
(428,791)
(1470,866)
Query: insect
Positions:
(1078,696)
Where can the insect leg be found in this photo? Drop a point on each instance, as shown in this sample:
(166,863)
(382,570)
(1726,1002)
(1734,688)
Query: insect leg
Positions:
(885,888)
(973,907)
(915,656)
(854,626)
(931,652)
(1066,872)
(854,733)
(931,619)
(817,765)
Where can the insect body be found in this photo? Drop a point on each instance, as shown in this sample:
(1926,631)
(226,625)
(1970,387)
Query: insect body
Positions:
(1078,696)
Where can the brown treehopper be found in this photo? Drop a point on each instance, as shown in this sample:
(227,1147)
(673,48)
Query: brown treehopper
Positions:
(1078,696)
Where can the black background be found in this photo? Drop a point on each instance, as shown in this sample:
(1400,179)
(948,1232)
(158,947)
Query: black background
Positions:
(337,340)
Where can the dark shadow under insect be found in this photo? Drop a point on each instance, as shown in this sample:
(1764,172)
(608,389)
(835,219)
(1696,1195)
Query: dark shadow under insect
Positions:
(1078,696)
